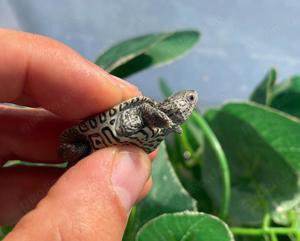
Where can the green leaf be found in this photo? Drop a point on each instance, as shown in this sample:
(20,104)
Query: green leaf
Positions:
(192,182)
(137,54)
(185,226)
(174,150)
(262,147)
(286,96)
(164,88)
(127,50)
(166,196)
(263,92)
(4,230)
(188,165)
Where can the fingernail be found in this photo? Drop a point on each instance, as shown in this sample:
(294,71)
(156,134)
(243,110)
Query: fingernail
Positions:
(123,83)
(111,78)
(114,79)
(131,171)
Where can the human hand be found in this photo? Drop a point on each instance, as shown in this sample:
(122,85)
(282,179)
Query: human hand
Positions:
(90,201)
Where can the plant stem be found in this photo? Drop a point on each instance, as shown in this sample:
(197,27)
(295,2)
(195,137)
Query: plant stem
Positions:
(294,223)
(261,231)
(221,158)
(273,236)
(266,221)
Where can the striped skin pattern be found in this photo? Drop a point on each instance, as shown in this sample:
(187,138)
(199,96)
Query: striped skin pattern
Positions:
(139,121)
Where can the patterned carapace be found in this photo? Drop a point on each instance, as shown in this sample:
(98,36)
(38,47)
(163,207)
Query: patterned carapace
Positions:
(138,121)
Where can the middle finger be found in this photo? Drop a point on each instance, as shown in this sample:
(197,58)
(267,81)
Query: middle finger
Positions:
(29,134)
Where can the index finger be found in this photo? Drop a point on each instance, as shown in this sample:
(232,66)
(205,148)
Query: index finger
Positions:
(55,77)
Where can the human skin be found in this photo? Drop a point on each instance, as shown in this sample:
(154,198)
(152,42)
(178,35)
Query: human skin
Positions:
(91,200)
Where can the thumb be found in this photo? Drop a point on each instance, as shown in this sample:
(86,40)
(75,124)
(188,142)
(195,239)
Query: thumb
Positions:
(91,201)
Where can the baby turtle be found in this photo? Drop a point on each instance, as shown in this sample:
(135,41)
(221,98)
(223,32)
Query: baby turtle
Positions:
(139,121)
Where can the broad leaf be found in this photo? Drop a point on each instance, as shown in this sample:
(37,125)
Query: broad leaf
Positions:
(127,50)
(4,230)
(185,226)
(263,92)
(262,147)
(166,196)
(136,54)
(286,96)
(165,88)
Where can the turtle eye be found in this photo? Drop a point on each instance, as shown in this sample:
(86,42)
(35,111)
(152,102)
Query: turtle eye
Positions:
(191,97)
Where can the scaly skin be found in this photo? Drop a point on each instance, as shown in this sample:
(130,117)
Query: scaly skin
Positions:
(139,121)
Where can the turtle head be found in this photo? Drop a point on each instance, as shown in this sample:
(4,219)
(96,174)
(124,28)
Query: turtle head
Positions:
(179,106)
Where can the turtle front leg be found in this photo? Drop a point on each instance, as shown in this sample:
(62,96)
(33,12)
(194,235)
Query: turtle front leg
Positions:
(154,117)
(132,120)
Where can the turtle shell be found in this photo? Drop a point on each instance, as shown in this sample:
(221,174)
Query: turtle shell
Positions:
(100,130)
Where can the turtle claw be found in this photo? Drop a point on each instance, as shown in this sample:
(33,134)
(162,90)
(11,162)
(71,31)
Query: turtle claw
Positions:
(178,129)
